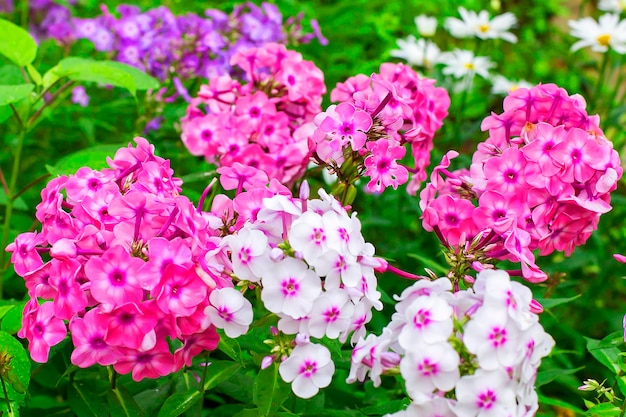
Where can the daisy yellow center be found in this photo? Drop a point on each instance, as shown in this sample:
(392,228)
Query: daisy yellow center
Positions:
(604,39)
(513,88)
(483,28)
(469,65)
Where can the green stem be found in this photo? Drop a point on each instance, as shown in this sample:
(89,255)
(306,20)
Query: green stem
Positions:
(9,205)
(6,397)
(47,104)
(597,89)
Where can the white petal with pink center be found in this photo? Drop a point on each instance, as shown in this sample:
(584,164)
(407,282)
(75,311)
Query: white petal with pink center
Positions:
(343,232)
(493,338)
(308,368)
(290,288)
(308,235)
(485,394)
(229,310)
(331,314)
(428,320)
(426,368)
(250,253)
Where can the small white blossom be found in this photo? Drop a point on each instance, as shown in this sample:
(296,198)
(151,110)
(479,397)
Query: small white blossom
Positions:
(608,32)
(502,85)
(426,25)
(485,394)
(614,6)
(417,52)
(462,63)
(479,25)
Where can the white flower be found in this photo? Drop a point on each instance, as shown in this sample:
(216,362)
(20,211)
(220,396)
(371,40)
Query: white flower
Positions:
(426,25)
(609,31)
(290,288)
(308,368)
(417,52)
(460,63)
(479,25)
(615,6)
(502,85)
(485,394)
(250,252)
(331,314)
(429,367)
(428,320)
(229,310)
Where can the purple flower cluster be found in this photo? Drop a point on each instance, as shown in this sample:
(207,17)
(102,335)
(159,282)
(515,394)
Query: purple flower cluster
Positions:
(165,45)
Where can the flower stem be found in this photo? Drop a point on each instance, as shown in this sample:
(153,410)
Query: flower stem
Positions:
(599,82)
(6,397)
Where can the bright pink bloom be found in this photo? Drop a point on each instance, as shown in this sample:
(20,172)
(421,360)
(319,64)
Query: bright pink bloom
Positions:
(42,329)
(382,165)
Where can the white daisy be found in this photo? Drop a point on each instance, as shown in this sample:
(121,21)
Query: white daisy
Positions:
(417,52)
(426,25)
(608,32)
(502,85)
(615,6)
(479,25)
(461,63)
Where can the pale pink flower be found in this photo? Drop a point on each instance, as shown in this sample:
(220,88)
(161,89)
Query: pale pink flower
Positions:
(229,310)
(308,368)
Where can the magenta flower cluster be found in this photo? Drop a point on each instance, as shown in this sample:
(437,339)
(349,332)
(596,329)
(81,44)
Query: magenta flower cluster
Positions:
(256,123)
(375,118)
(167,46)
(541,181)
(461,354)
(127,261)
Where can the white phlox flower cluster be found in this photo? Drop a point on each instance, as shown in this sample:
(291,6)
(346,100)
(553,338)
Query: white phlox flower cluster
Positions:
(470,353)
(316,274)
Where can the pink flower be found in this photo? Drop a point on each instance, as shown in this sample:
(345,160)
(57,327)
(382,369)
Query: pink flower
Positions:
(89,342)
(345,123)
(179,291)
(241,177)
(23,253)
(42,329)
(152,363)
(382,166)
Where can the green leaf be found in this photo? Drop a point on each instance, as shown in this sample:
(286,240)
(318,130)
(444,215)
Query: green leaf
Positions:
(253,412)
(549,375)
(85,401)
(17,44)
(142,80)
(607,356)
(152,399)
(12,320)
(218,372)
(429,263)
(81,69)
(34,74)
(559,403)
(5,309)
(94,157)
(179,402)
(19,374)
(231,348)
(388,407)
(552,302)
(604,410)
(122,404)
(13,93)
(18,203)
(269,391)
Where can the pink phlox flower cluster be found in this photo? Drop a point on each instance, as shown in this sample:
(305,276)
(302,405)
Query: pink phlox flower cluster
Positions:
(127,262)
(376,116)
(540,181)
(433,328)
(256,123)
(315,270)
